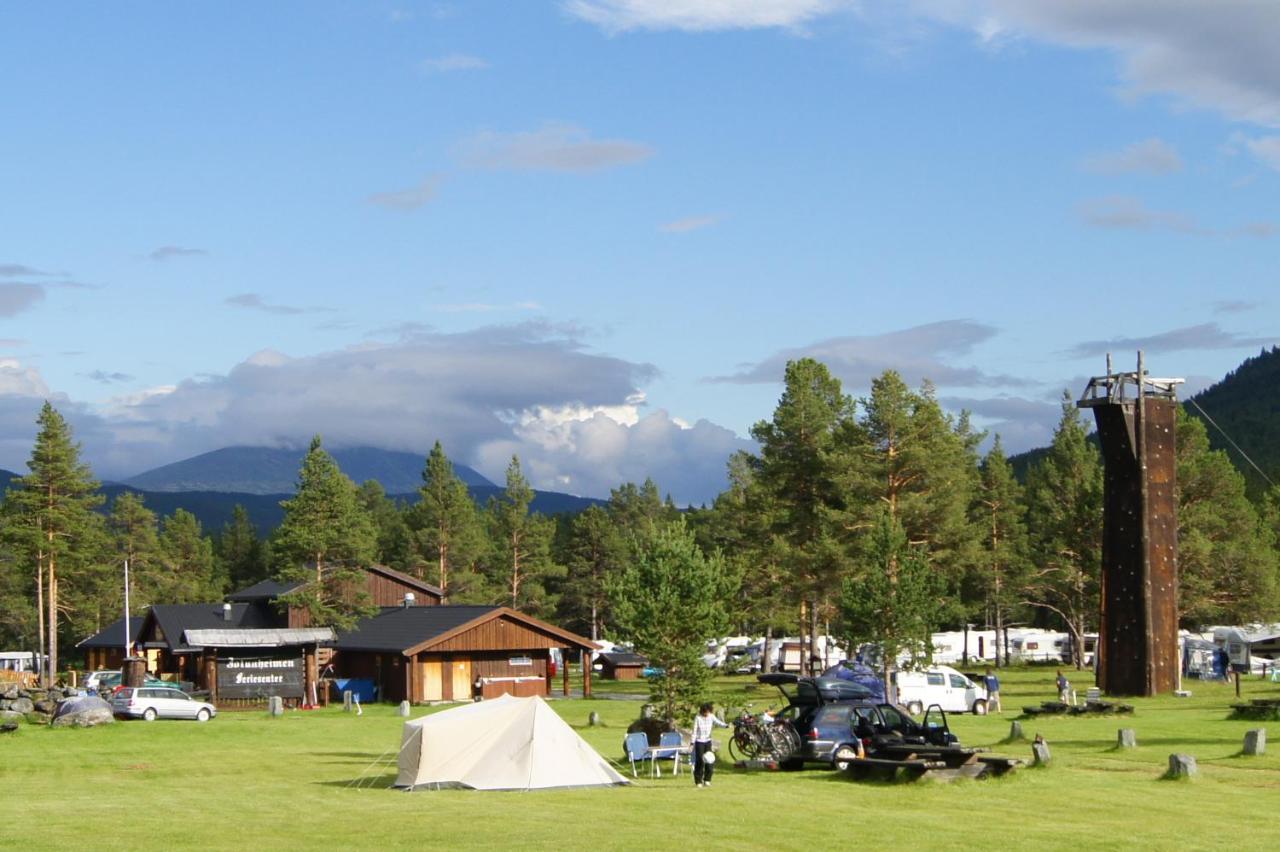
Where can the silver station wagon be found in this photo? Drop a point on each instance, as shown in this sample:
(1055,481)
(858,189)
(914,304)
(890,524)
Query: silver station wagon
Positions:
(153,703)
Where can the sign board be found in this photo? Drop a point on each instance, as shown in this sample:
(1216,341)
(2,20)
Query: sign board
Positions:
(261,676)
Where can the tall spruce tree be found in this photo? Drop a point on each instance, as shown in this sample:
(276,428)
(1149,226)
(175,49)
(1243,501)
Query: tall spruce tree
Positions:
(595,553)
(241,551)
(393,541)
(324,541)
(446,526)
(1064,517)
(54,516)
(133,529)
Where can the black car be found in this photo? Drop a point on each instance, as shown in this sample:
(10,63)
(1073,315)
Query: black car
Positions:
(833,717)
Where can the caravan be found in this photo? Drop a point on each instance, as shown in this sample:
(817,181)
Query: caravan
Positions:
(941,685)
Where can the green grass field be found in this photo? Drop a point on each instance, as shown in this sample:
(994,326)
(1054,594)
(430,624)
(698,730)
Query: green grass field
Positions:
(247,781)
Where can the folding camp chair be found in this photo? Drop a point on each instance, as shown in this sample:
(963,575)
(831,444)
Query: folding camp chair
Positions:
(637,748)
(670,746)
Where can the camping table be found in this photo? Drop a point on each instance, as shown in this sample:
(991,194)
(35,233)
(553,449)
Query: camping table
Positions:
(656,753)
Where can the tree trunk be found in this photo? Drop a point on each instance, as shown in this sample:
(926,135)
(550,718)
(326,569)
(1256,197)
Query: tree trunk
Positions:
(444,572)
(40,663)
(515,570)
(53,620)
(766,657)
(813,636)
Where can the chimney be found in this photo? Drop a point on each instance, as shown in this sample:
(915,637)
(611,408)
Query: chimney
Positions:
(409,598)
(226,612)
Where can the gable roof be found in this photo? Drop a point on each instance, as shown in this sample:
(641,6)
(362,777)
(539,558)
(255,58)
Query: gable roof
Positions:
(175,619)
(399,628)
(269,590)
(409,630)
(112,636)
(618,658)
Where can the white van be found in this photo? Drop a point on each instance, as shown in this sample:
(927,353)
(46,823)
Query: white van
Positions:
(941,685)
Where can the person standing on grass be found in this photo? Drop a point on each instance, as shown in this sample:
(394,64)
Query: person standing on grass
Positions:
(1064,688)
(992,684)
(703,724)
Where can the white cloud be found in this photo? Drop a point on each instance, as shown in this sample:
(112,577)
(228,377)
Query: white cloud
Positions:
(692,223)
(1126,212)
(407,199)
(1151,156)
(1266,149)
(554,147)
(170,252)
(17,297)
(700,15)
(453,62)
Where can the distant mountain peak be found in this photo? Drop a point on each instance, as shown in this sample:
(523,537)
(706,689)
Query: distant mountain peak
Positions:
(274,470)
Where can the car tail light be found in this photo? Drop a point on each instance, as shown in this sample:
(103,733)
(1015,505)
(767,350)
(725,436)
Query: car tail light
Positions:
(813,734)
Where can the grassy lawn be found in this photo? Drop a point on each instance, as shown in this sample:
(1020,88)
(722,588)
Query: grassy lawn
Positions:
(247,781)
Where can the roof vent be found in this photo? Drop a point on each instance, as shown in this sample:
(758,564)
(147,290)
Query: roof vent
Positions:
(409,598)
(226,612)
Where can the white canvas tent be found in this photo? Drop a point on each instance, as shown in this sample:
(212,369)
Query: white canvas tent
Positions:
(504,743)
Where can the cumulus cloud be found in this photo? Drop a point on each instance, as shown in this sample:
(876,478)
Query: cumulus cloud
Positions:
(16,297)
(574,417)
(554,147)
(170,252)
(453,62)
(700,15)
(692,223)
(407,199)
(1151,156)
(1207,335)
(916,353)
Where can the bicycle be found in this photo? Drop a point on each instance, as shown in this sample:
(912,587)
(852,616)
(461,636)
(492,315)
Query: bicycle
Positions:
(755,739)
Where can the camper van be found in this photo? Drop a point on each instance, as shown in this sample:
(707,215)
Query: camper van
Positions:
(941,685)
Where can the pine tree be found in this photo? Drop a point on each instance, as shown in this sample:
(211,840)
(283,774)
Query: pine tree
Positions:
(393,542)
(133,530)
(1064,519)
(240,551)
(1227,571)
(445,526)
(1000,512)
(800,469)
(54,513)
(892,600)
(523,545)
(190,568)
(667,601)
(595,553)
(324,541)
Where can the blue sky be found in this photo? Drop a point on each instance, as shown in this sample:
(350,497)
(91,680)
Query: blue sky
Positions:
(592,232)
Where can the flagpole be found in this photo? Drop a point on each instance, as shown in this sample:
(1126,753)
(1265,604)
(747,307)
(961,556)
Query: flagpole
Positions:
(128,634)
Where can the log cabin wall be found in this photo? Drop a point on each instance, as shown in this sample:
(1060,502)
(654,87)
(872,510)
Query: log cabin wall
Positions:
(499,634)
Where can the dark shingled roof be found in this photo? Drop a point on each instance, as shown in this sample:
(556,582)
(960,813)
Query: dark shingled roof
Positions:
(112,636)
(617,658)
(176,618)
(398,628)
(265,590)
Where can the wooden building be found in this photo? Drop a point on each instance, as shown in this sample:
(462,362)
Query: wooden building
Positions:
(456,653)
(620,666)
(385,587)
(106,648)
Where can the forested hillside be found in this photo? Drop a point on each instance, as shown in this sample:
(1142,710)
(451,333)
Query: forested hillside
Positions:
(1246,405)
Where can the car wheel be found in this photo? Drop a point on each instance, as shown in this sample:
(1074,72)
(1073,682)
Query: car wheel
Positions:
(203,715)
(979,708)
(843,755)
(149,714)
(915,708)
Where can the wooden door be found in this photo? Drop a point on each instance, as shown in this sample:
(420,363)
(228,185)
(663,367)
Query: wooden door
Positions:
(461,676)
(432,684)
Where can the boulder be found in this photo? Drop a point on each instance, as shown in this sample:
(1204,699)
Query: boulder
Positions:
(1040,751)
(10,692)
(1015,732)
(22,705)
(10,716)
(1182,766)
(36,694)
(404,709)
(1255,742)
(39,718)
(46,706)
(653,728)
(83,712)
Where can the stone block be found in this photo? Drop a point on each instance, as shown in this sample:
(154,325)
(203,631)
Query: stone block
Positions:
(1255,742)
(1182,766)
(1015,731)
(275,705)
(1126,738)
(404,709)
(1040,753)
(346,700)
(593,719)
